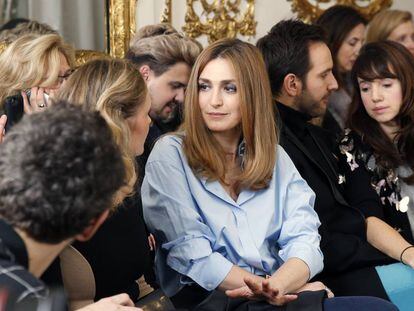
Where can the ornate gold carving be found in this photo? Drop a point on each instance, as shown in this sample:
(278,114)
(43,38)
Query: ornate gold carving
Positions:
(3,46)
(84,56)
(222,19)
(166,14)
(309,12)
(121,26)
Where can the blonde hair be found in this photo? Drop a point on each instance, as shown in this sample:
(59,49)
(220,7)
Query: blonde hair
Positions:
(204,154)
(30,27)
(32,60)
(115,88)
(384,23)
(152,31)
(160,47)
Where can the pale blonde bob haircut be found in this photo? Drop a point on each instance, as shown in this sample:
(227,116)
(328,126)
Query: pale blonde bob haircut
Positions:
(115,88)
(32,60)
(258,127)
(381,26)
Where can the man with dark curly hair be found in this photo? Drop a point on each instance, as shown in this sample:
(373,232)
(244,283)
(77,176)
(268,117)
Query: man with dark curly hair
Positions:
(59,172)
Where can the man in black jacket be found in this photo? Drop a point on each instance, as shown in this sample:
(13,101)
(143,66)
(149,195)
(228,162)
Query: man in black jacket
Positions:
(300,65)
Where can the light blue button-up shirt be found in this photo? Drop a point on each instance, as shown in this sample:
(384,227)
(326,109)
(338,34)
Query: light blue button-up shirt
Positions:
(202,232)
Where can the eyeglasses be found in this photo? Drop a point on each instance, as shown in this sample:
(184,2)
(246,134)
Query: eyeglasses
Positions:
(64,77)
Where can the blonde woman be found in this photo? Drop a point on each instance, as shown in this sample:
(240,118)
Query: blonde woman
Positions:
(36,63)
(114,88)
(119,252)
(393,25)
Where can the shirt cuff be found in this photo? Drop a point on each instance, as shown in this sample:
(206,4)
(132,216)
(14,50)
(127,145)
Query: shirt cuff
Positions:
(194,258)
(312,257)
(208,272)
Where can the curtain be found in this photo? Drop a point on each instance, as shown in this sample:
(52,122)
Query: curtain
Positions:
(80,22)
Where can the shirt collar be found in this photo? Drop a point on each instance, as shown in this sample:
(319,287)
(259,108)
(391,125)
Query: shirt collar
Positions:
(293,119)
(12,246)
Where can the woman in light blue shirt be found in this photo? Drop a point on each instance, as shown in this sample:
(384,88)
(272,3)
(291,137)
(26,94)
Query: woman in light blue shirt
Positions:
(228,208)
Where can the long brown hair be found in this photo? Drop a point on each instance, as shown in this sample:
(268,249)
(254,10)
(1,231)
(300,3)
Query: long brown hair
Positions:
(204,153)
(338,21)
(381,60)
(115,88)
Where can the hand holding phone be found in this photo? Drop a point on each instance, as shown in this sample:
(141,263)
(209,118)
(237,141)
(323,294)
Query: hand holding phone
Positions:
(15,106)
(34,100)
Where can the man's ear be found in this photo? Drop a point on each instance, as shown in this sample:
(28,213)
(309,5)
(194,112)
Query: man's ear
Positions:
(292,85)
(145,72)
(94,225)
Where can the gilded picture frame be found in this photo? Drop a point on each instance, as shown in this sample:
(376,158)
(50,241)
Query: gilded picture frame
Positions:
(121,25)
(309,11)
(119,30)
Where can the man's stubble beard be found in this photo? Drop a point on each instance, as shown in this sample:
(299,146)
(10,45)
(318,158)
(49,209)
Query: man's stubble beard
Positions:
(176,109)
(308,105)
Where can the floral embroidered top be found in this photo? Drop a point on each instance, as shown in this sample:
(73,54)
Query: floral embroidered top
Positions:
(358,165)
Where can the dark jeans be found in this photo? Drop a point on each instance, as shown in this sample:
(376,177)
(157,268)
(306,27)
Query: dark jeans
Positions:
(358,303)
(197,299)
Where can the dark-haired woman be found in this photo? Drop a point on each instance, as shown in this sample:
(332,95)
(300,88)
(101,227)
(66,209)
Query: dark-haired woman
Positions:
(345,31)
(379,149)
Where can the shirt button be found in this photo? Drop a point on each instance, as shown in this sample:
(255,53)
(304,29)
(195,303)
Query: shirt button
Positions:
(210,286)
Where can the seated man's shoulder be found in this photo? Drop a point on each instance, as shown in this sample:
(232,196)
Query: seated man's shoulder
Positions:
(289,143)
(288,146)
(20,284)
(327,137)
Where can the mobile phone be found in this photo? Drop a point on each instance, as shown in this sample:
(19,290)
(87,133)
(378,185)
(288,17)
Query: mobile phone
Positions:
(14,108)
